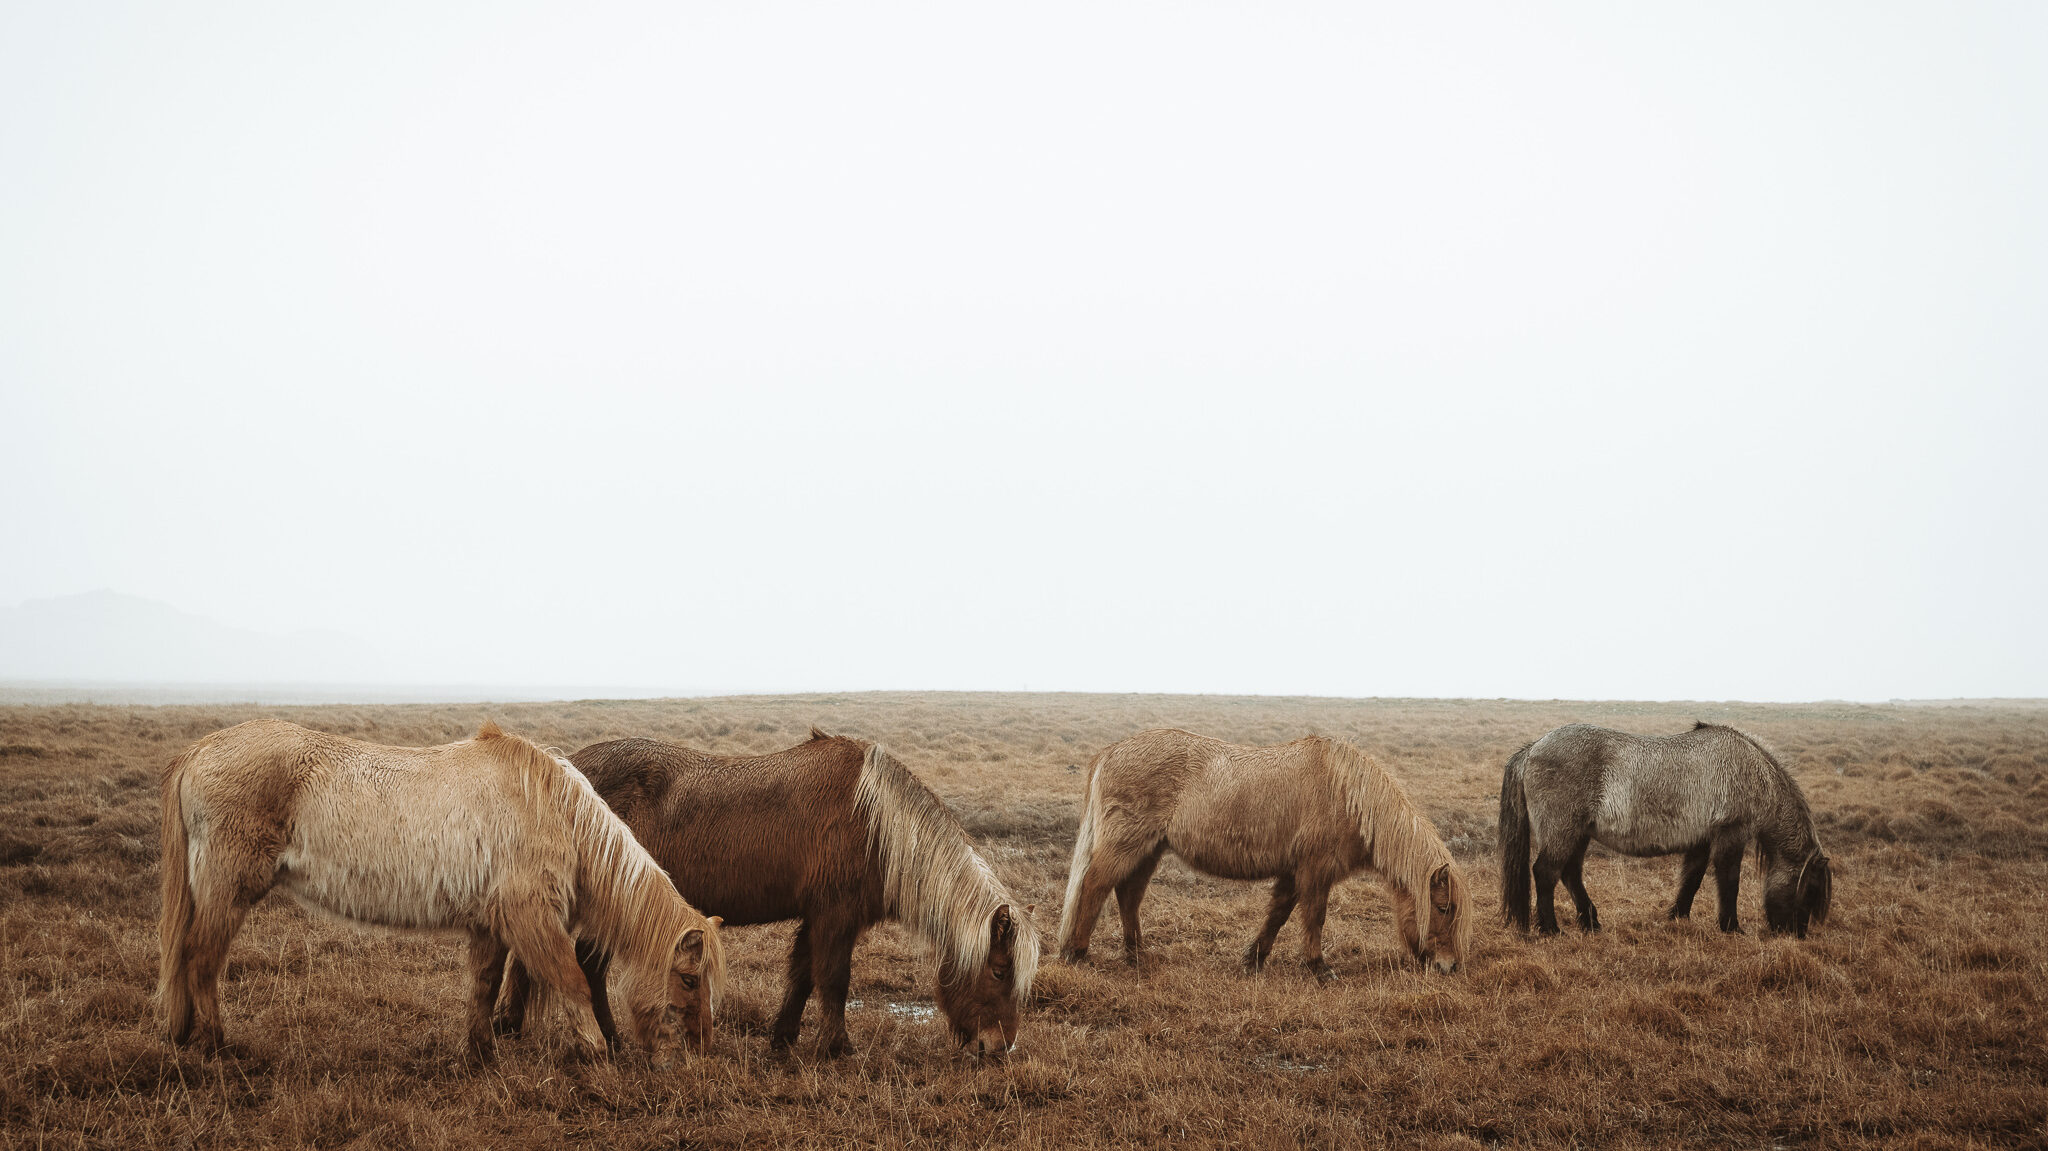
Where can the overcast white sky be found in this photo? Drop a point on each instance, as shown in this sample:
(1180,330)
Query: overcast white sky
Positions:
(1604,350)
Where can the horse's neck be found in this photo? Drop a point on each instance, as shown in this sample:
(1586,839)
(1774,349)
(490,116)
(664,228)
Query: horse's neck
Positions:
(1789,834)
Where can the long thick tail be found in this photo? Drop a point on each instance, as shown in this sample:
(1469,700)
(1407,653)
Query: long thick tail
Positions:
(174,995)
(1514,843)
(1084,850)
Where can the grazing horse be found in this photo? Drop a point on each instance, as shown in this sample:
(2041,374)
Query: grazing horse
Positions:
(1304,814)
(492,836)
(1706,792)
(833,832)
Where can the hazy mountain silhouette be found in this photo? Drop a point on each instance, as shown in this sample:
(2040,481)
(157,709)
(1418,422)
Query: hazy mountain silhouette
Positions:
(107,636)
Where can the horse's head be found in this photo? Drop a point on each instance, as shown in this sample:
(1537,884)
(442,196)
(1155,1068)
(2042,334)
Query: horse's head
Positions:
(981,1005)
(1443,944)
(696,981)
(1795,897)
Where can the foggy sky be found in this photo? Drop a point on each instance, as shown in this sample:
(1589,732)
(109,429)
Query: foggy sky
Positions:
(1590,351)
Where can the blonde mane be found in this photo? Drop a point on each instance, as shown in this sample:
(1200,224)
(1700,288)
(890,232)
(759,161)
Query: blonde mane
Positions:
(1399,840)
(624,901)
(932,878)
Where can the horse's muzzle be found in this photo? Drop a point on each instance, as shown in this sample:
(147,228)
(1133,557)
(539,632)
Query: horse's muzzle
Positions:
(989,1043)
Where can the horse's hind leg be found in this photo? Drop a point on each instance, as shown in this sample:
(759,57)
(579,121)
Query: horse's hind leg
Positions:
(1575,882)
(1129,894)
(796,990)
(1689,876)
(220,900)
(1107,869)
(1277,912)
(1728,878)
(1547,868)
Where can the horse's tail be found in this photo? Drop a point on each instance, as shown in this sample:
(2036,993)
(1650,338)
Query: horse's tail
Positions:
(1084,849)
(173,993)
(1514,842)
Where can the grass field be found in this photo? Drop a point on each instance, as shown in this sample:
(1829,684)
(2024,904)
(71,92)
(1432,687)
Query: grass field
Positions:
(1915,1017)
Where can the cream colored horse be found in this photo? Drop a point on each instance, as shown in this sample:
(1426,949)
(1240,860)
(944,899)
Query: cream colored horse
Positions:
(1304,814)
(492,836)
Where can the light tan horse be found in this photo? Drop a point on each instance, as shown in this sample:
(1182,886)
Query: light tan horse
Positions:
(1304,814)
(492,836)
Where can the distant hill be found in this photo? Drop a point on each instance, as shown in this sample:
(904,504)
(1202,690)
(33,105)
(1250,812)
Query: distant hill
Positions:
(107,636)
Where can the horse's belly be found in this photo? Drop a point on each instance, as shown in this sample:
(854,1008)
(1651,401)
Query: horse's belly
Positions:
(1233,850)
(1639,820)
(740,900)
(398,874)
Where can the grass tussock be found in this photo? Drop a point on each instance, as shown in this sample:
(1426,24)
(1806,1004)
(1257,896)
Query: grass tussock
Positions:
(1913,1018)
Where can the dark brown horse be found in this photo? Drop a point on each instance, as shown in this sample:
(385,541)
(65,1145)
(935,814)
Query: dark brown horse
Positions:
(833,832)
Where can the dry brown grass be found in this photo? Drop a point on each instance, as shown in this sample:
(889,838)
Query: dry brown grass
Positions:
(1915,1016)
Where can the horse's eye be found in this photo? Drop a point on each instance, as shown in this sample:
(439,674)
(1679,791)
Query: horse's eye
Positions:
(689,983)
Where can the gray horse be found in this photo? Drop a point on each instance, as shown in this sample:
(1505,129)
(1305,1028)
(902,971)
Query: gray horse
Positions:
(1707,792)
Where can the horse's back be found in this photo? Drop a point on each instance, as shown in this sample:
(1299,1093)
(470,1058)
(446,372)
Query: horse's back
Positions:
(749,838)
(1640,795)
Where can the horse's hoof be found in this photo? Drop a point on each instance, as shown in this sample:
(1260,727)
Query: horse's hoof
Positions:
(1254,962)
(505,1028)
(1076,956)
(212,1045)
(1323,973)
(838,1049)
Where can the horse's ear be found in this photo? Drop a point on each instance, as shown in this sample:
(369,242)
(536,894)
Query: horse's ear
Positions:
(1440,882)
(716,921)
(1001,928)
(816,734)
(692,943)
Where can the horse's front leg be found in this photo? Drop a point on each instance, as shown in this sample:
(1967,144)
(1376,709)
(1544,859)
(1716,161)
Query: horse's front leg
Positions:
(1315,902)
(1689,876)
(832,968)
(486,972)
(542,942)
(1728,878)
(1276,915)
(797,990)
(511,1018)
(596,965)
